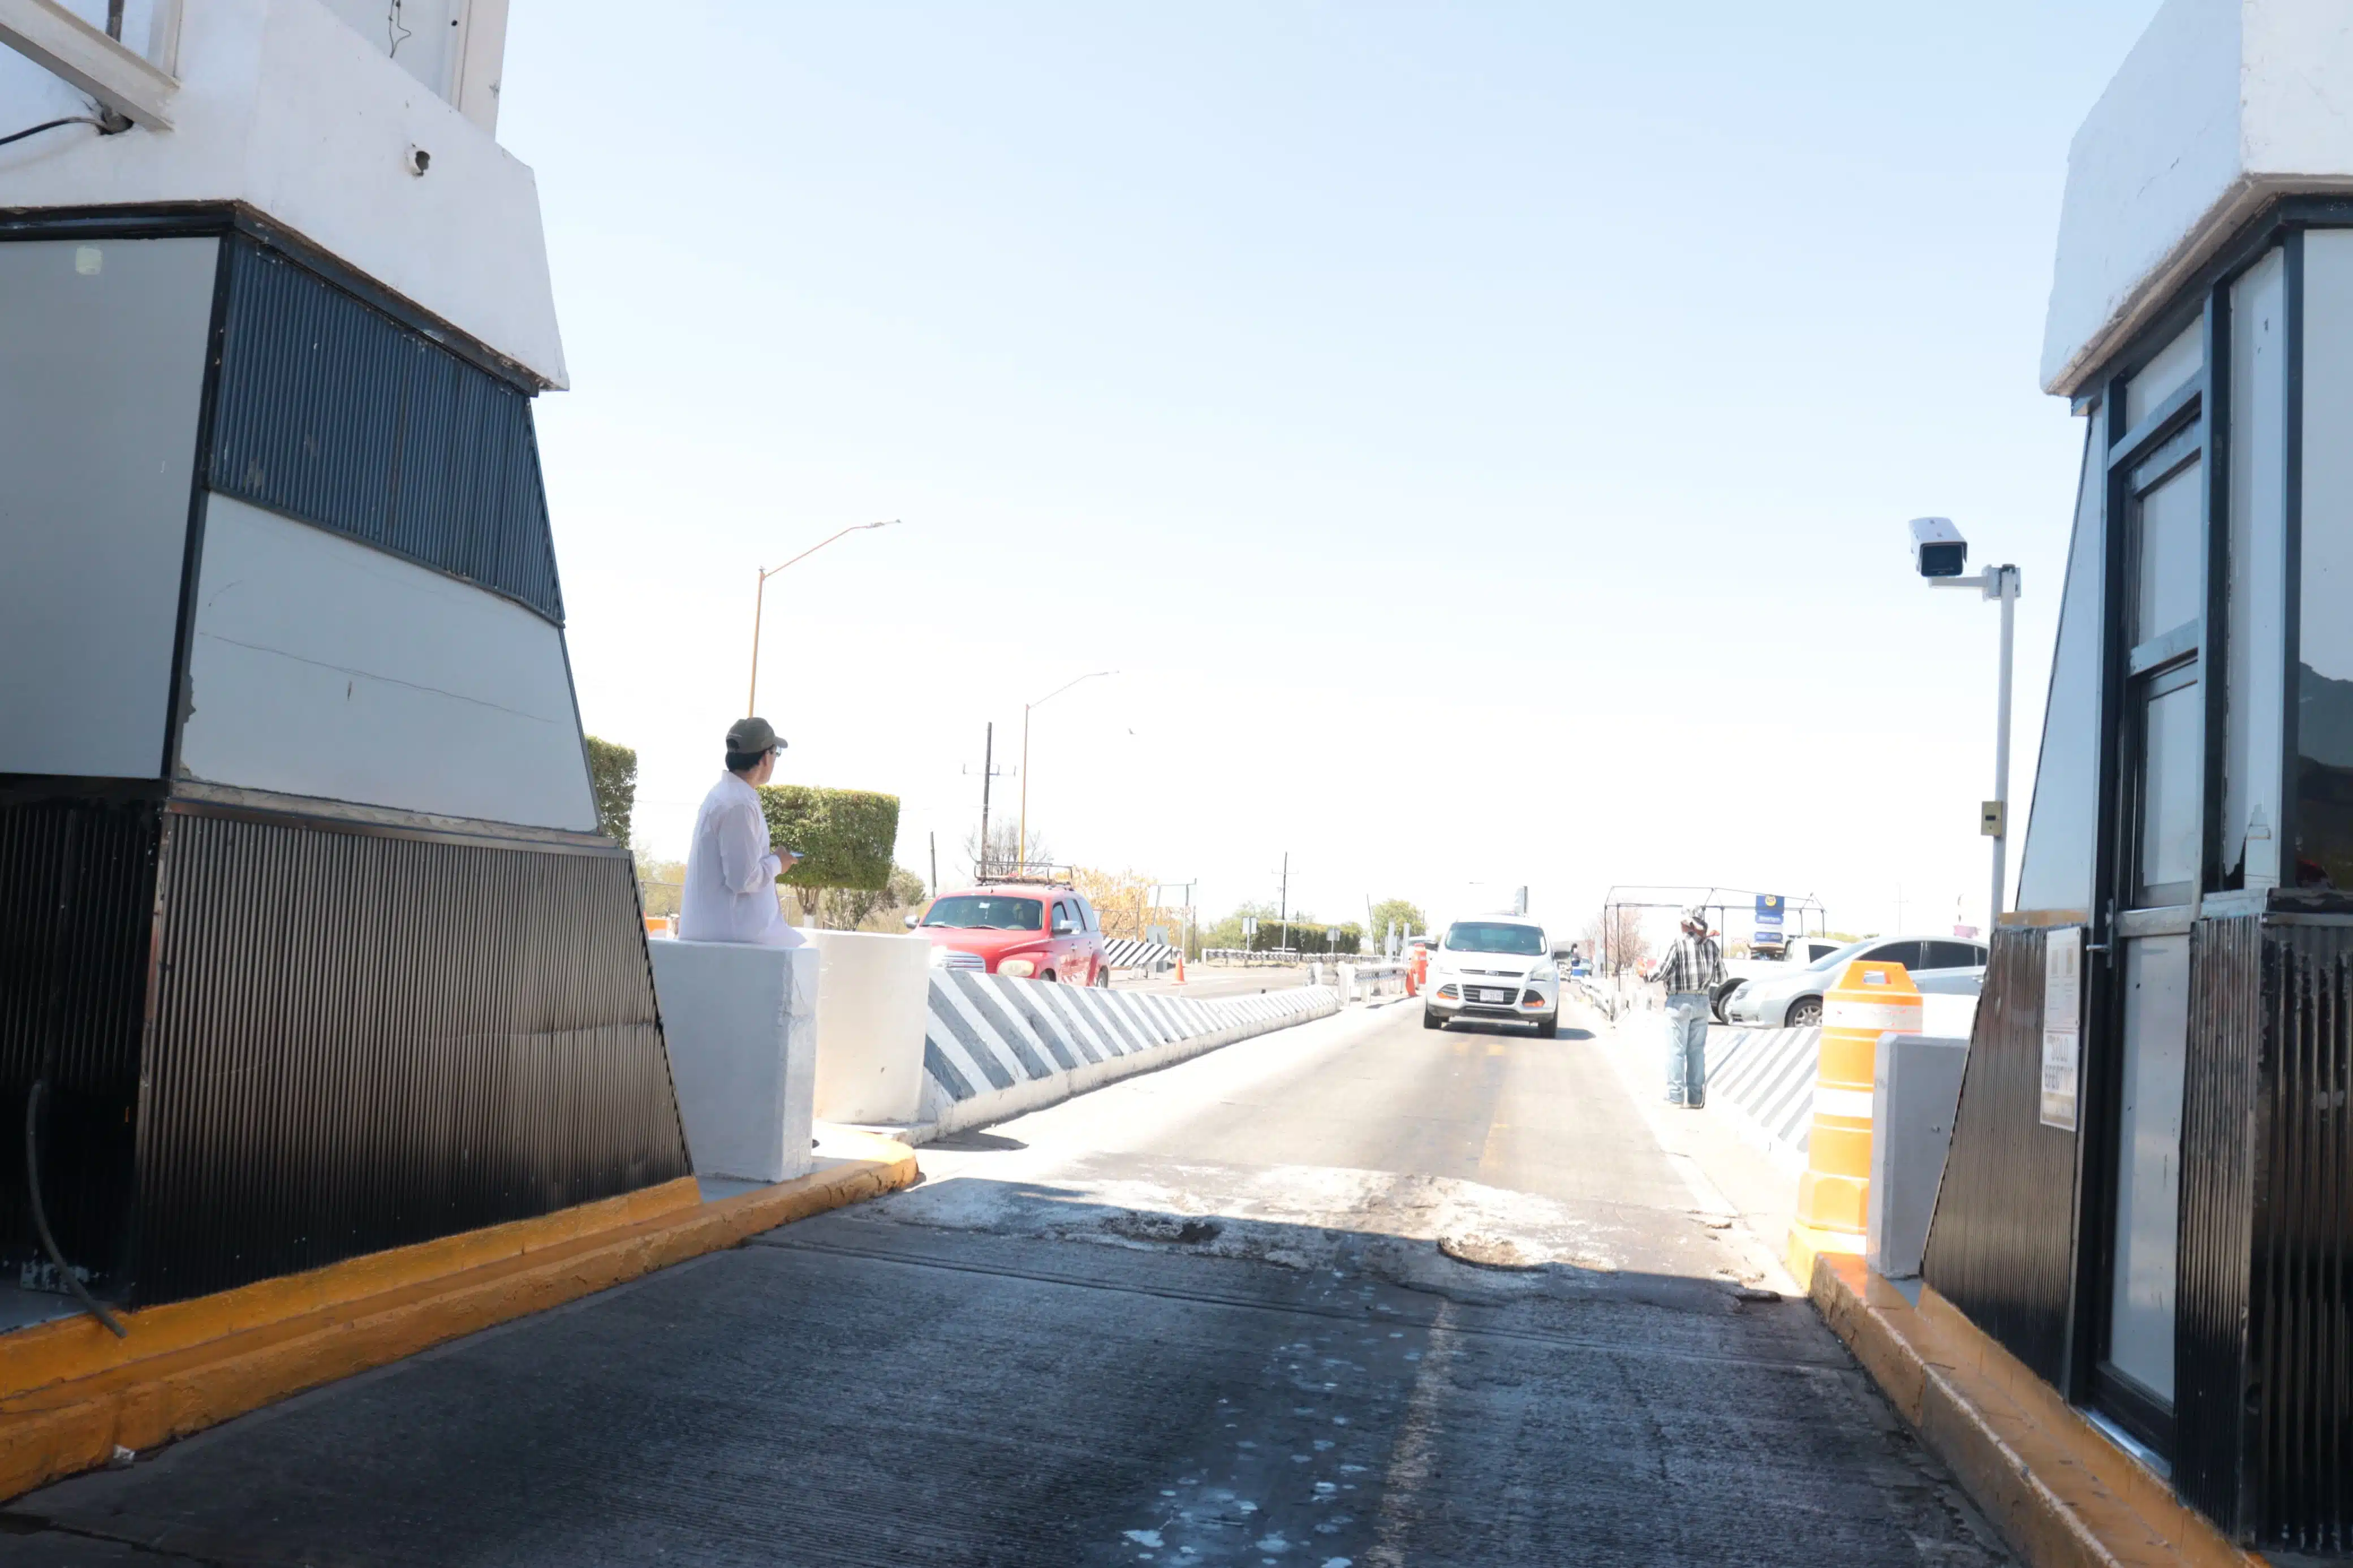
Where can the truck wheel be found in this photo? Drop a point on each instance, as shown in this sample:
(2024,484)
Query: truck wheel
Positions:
(1102,976)
(1430,1020)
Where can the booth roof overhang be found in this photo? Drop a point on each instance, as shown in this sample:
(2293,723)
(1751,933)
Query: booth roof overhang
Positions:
(2220,108)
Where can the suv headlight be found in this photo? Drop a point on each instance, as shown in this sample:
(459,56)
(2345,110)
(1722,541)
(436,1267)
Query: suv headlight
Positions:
(1018,968)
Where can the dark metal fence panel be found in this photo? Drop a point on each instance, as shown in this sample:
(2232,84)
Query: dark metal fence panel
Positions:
(2221,1121)
(2004,1226)
(331,411)
(77,900)
(2302,1288)
(365,1041)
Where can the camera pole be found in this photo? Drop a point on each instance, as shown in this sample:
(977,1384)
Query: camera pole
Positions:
(1999,583)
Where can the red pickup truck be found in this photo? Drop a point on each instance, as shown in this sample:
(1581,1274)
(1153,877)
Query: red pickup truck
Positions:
(1025,930)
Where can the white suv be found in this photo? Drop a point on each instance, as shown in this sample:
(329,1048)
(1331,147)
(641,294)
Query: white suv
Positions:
(1496,966)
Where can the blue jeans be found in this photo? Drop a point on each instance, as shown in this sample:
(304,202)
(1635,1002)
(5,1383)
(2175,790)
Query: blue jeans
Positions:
(1687,1014)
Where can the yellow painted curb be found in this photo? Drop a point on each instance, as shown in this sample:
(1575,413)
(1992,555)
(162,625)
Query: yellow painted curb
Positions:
(2063,1495)
(71,1392)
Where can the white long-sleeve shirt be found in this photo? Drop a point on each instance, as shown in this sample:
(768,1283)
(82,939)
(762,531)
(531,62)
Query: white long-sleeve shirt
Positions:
(731,873)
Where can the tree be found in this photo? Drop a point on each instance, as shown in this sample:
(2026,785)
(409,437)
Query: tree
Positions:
(871,909)
(1406,915)
(660,882)
(1123,901)
(1619,927)
(613,782)
(844,836)
(1005,847)
(1228,932)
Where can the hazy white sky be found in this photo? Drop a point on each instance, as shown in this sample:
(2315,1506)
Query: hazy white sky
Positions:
(1481,436)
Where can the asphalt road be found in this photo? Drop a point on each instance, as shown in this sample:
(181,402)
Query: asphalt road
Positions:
(1353,1294)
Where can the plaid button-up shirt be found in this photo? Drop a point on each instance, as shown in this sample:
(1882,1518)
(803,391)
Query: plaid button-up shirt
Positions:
(1694,964)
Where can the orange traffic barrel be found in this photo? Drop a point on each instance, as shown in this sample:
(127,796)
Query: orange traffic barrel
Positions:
(1834,1194)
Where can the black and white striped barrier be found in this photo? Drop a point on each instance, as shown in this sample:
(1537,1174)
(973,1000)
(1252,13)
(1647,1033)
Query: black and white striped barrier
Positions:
(1128,953)
(1765,1078)
(995,1047)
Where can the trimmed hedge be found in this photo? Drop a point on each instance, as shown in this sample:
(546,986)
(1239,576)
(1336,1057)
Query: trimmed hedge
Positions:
(613,780)
(845,835)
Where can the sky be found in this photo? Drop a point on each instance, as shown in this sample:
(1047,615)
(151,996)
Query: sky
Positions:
(1480,438)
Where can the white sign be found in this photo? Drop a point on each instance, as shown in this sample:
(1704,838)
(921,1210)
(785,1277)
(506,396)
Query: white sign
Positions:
(2063,1023)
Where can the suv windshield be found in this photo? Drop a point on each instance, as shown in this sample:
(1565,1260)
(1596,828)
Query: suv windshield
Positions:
(1485,936)
(985,912)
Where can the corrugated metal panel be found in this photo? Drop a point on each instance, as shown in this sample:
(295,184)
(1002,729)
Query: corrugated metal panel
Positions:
(2220,1123)
(2301,1298)
(77,900)
(363,1040)
(331,411)
(2004,1226)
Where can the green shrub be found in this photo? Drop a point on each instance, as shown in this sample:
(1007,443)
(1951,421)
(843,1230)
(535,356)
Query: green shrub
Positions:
(613,780)
(845,835)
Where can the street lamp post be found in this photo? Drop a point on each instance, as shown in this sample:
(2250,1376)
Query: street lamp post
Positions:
(1022,844)
(759,602)
(1939,553)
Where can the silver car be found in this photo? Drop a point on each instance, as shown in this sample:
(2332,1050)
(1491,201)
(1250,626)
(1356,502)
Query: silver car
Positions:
(1939,966)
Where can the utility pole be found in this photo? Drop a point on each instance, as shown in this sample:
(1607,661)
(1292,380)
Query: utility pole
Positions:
(1283,912)
(936,865)
(987,771)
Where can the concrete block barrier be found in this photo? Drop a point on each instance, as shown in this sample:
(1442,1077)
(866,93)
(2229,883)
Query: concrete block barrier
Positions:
(995,1047)
(741,1022)
(869,1025)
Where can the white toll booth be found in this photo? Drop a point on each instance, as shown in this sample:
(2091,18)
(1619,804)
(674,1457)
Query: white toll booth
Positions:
(2144,1199)
(295,818)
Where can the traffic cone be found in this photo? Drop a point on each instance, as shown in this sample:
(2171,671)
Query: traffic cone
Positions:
(1834,1194)
(1180,966)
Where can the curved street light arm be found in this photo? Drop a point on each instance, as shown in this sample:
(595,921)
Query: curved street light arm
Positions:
(760,599)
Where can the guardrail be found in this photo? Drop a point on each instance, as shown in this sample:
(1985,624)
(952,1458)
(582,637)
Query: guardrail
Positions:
(1246,956)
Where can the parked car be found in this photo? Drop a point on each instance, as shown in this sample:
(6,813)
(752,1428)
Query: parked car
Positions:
(1796,952)
(1939,966)
(1496,966)
(1025,930)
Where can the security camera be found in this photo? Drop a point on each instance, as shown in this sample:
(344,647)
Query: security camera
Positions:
(1937,547)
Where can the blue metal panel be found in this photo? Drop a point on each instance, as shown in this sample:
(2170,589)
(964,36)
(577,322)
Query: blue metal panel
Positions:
(331,411)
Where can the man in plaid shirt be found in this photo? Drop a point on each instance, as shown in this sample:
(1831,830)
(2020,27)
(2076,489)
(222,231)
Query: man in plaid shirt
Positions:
(1692,969)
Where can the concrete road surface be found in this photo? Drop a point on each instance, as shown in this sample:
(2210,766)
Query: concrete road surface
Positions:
(1353,1294)
(1216,980)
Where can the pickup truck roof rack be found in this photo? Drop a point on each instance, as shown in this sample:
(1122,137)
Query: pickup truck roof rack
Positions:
(1040,872)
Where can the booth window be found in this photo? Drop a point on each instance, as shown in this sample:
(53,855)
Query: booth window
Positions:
(2165,569)
(2324,658)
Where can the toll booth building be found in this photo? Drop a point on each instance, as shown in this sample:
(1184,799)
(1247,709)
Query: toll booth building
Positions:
(2150,1195)
(309,944)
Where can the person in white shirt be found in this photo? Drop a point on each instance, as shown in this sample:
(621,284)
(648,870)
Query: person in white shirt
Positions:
(731,868)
